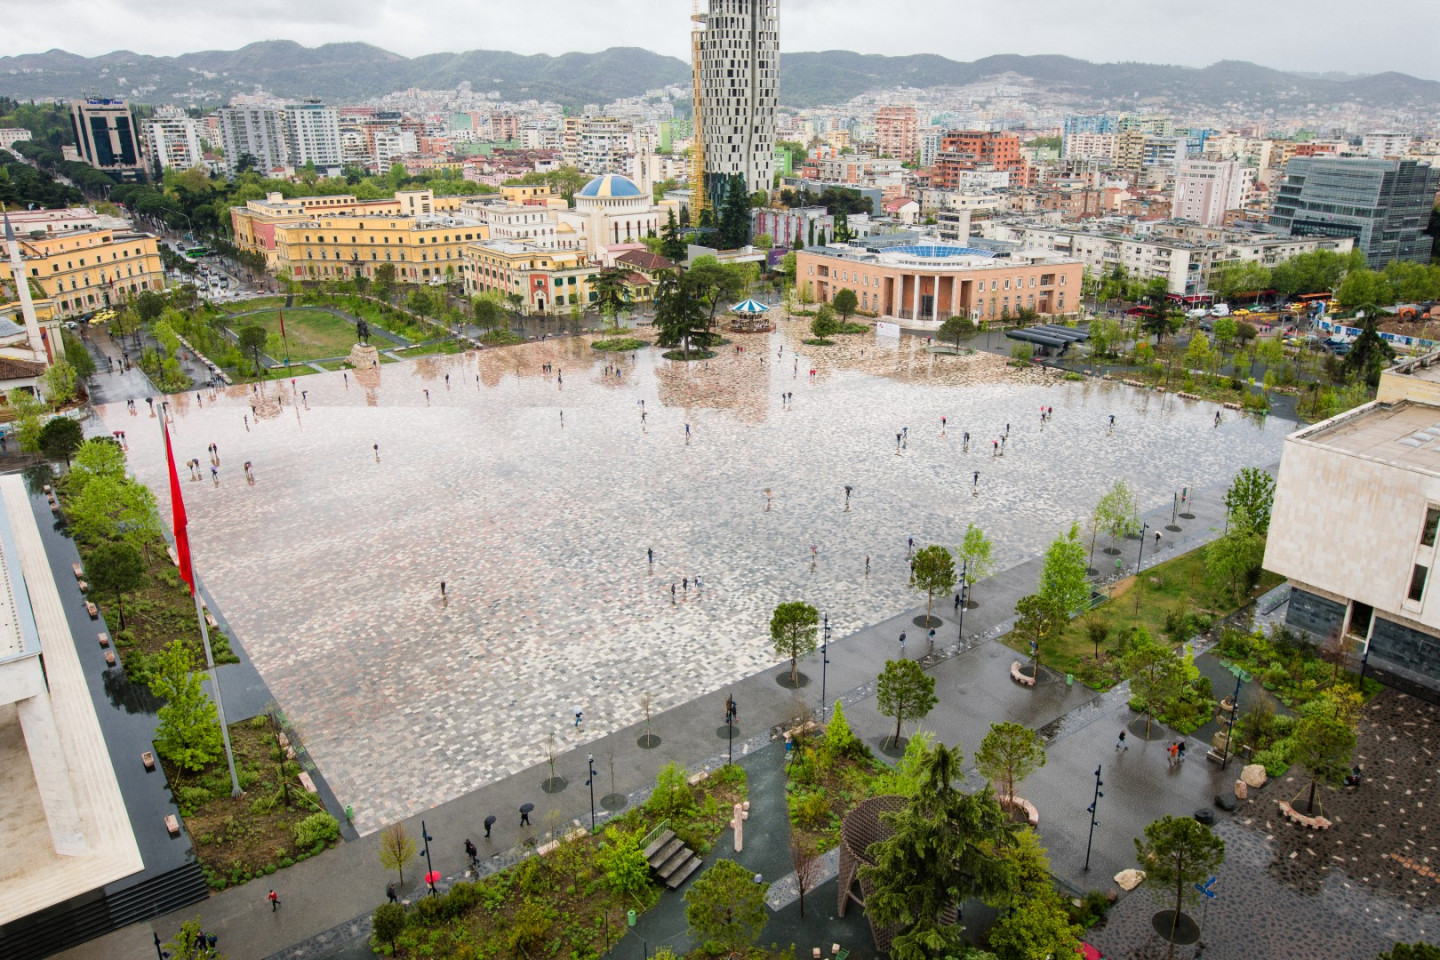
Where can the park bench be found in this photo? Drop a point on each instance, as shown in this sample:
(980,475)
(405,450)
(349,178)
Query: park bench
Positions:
(1295,816)
(1018,676)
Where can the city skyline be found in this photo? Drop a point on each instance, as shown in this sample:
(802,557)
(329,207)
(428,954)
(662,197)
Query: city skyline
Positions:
(1134,30)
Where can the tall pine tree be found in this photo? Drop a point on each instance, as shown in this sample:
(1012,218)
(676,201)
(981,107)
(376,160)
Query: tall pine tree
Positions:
(735,215)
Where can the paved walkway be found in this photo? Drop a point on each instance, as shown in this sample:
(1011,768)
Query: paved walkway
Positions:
(327,899)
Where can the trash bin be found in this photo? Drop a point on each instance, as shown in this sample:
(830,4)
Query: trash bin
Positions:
(349,812)
(1069,679)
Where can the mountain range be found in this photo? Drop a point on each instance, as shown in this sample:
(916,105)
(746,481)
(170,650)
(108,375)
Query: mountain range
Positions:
(340,72)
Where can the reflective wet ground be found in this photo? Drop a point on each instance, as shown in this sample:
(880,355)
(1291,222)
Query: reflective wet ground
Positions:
(534,496)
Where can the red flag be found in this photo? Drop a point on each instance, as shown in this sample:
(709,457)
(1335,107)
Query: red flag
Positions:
(177,504)
(282,322)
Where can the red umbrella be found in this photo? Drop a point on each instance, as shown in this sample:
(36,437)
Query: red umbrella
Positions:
(433,877)
(1090,953)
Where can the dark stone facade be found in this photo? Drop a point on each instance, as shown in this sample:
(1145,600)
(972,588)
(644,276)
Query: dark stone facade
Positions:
(1405,653)
(1314,614)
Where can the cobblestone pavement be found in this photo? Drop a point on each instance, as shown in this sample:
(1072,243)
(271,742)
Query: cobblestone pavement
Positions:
(1349,892)
(329,565)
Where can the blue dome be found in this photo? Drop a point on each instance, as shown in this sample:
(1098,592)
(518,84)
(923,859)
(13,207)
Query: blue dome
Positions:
(611,185)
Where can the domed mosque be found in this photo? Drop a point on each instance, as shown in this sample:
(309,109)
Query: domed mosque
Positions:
(614,211)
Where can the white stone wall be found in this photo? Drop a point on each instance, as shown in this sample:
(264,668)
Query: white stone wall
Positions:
(1351,526)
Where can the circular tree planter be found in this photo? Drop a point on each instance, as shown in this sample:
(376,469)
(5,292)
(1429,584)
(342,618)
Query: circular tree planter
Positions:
(1187,516)
(783,678)
(1173,528)
(890,748)
(1180,930)
(694,355)
(613,801)
(648,742)
(723,731)
(1137,729)
(1111,551)
(554,784)
(928,623)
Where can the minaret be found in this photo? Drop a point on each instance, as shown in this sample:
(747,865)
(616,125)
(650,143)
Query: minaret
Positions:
(22,287)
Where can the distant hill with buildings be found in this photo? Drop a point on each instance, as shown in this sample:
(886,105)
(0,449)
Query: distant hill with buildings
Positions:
(338,72)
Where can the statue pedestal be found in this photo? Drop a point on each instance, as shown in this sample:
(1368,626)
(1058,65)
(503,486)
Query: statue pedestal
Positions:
(363,356)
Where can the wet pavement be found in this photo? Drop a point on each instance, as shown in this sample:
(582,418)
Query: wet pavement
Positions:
(328,567)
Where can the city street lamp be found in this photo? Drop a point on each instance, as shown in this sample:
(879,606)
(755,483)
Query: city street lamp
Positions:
(1144,529)
(964,596)
(1240,675)
(161,953)
(591,784)
(429,867)
(730,711)
(824,662)
(1093,822)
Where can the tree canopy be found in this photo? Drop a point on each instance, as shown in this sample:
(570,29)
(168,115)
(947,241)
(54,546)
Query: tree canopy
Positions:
(792,630)
(904,691)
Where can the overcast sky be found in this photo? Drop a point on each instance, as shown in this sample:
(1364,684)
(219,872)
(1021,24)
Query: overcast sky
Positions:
(1310,35)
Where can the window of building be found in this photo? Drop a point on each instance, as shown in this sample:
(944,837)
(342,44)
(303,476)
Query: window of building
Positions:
(1432,522)
(1417,582)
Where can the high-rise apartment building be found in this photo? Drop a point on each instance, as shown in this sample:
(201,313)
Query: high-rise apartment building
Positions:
(737,75)
(967,150)
(105,137)
(173,142)
(282,138)
(1205,189)
(897,134)
(1383,204)
(1102,125)
(312,135)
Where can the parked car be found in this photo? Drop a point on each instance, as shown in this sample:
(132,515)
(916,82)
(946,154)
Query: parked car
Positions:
(1220,310)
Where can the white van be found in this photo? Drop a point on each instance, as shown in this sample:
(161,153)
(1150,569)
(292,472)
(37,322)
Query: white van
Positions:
(1220,310)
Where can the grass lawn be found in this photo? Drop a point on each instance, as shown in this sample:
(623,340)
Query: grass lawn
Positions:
(424,349)
(312,334)
(1175,587)
(239,838)
(259,303)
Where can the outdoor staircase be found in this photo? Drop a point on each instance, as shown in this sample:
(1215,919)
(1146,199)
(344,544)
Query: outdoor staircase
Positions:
(668,856)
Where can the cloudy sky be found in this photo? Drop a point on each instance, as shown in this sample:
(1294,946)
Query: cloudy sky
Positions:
(1310,35)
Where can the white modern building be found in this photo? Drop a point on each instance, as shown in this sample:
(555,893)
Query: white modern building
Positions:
(739,74)
(1205,189)
(312,136)
(173,142)
(1355,525)
(254,131)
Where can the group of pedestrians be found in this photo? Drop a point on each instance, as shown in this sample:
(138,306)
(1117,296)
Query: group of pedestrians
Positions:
(1174,753)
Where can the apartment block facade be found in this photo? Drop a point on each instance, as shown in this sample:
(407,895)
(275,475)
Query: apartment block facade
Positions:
(739,75)
(1383,205)
(105,137)
(85,271)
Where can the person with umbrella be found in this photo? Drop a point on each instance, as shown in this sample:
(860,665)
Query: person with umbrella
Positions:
(489,822)
(525,809)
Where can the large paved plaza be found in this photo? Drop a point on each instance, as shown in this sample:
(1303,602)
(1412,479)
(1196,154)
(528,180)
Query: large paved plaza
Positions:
(328,566)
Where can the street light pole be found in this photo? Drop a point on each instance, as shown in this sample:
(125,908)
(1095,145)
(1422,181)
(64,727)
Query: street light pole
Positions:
(429,867)
(1093,822)
(1144,529)
(1230,729)
(591,784)
(824,662)
(730,727)
(964,596)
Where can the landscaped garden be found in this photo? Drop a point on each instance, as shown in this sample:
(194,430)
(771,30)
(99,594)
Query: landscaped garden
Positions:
(310,334)
(572,898)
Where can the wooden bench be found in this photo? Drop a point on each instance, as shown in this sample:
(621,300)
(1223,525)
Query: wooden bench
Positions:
(172,824)
(1018,677)
(148,759)
(79,570)
(1295,816)
(93,610)
(104,639)
(1032,815)
(109,658)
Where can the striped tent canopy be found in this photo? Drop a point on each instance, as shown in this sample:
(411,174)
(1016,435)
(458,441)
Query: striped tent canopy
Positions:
(751,307)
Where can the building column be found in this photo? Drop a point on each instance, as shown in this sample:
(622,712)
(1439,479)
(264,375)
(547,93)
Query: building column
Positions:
(915,299)
(954,295)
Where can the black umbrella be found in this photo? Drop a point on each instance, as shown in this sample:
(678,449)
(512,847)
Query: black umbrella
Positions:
(490,820)
(526,807)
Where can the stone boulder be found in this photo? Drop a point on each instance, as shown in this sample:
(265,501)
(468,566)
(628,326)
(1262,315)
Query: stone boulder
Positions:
(1254,775)
(1128,880)
(1242,789)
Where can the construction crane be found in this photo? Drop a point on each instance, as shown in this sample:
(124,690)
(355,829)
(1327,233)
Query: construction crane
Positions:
(698,200)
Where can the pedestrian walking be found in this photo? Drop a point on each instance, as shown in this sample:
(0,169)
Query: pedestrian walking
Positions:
(911,549)
(1217,418)
(248,474)
(1157,539)
(274,899)
(489,822)
(390,894)
(976,486)
(685,584)
(524,817)
(650,554)
(1121,744)
(1171,752)
(1112,421)
(442,589)
(867,566)
(957,603)
(471,852)
(1180,751)
(672,593)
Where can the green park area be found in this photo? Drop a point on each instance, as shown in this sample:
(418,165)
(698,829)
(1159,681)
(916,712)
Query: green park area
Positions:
(310,334)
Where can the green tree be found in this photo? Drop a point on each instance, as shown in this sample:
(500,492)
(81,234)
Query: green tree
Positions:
(1323,746)
(1253,491)
(1119,512)
(1063,581)
(845,303)
(1235,559)
(384,280)
(824,324)
(1225,329)
(61,437)
(1154,672)
(956,329)
(1176,854)
(679,317)
(945,849)
(1038,619)
(1009,753)
(840,740)
(188,734)
(933,571)
(1235,278)
(1037,927)
(421,303)
(187,943)
(118,569)
(1365,290)
(609,290)
(622,860)
(725,908)
(77,356)
(397,849)
(59,382)
(487,312)
(975,553)
(387,923)
(713,284)
(1411,951)
(30,415)
(252,339)
(734,215)
(672,247)
(904,690)
(97,457)
(110,508)
(1198,354)
(792,630)
(1368,354)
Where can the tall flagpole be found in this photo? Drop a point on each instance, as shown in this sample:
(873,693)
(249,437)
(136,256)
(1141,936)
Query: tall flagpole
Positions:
(187,573)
